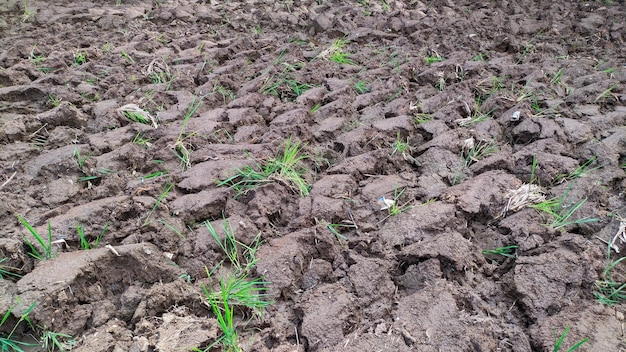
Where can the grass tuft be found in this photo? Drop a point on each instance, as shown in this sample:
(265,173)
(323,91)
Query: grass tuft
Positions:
(285,167)
(84,243)
(182,149)
(610,291)
(236,289)
(46,244)
(7,342)
(558,343)
(561,212)
(506,251)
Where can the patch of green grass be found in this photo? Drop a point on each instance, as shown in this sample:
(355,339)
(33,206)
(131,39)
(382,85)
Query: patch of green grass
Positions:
(285,167)
(137,116)
(162,196)
(171,227)
(284,87)
(28,13)
(54,341)
(341,57)
(84,243)
(46,244)
(336,53)
(475,115)
(127,57)
(55,102)
(558,343)
(561,211)
(80,57)
(7,342)
(142,140)
(400,145)
(606,93)
(182,149)
(579,172)
(506,251)
(480,57)
(298,88)
(236,289)
(393,206)
(472,152)
(556,79)
(8,272)
(334,229)
(434,58)
(361,87)
(421,118)
(36,58)
(608,290)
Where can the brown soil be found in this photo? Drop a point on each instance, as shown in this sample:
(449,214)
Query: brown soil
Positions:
(415,281)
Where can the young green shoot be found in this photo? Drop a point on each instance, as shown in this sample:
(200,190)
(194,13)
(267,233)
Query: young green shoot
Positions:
(98,174)
(127,57)
(8,272)
(153,175)
(7,342)
(235,288)
(181,148)
(172,228)
(558,343)
(54,341)
(472,152)
(361,87)
(55,102)
(579,172)
(285,167)
(561,212)
(393,206)
(400,145)
(606,93)
(556,79)
(533,169)
(608,290)
(334,229)
(162,196)
(474,115)
(46,244)
(336,54)
(80,160)
(28,13)
(435,57)
(80,57)
(480,57)
(142,140)
(84,243)
(224,314)
(506,251)
(421,118)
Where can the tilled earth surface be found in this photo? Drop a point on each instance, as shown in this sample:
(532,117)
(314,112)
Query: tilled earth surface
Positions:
(445,107)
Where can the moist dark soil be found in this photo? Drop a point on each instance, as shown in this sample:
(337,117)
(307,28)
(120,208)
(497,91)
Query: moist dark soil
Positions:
(390,100)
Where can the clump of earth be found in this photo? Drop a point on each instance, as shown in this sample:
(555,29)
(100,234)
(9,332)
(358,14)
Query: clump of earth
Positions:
(463,167)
